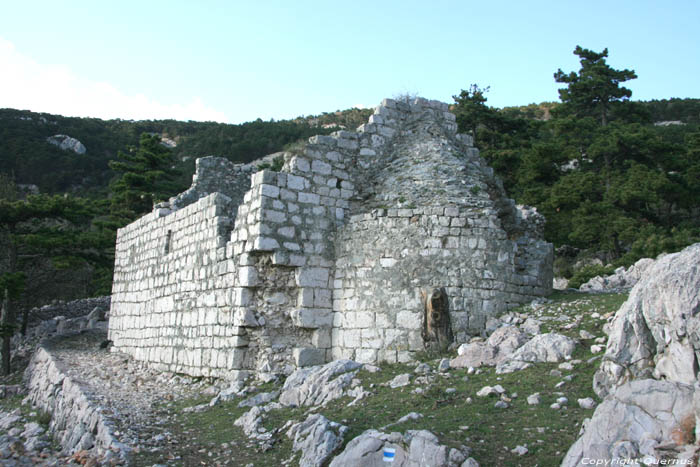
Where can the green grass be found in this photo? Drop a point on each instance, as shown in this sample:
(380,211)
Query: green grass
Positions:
(491,432)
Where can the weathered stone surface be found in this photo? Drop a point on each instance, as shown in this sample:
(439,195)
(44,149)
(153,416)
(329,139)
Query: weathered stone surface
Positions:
(622,279)
(502,342)
(656,332)
(74,413)
(317,438)
(413,449)
(258,271)
(259,399)
(548,347)
(67,143)
(641,414)
(318,385)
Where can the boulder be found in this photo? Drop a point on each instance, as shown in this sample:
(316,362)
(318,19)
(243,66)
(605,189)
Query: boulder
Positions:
(638,419)
(656,332)
(621,279)
(317,438)
(318,385)
(549,347)
(412,449)
(502,342)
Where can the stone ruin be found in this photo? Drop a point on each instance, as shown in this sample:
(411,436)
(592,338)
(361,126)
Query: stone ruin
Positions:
(337,255)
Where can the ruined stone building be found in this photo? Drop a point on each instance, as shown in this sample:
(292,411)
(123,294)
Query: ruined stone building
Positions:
(259,271)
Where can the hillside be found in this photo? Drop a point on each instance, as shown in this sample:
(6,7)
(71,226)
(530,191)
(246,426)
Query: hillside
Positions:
(31,160)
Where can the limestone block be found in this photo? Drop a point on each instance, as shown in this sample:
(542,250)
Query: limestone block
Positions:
(312,277)
(309,198)
(372,339)
(263,177)
(321,338)
(306,297)
(265,244)
(312,318)
(270,191)
(352,338)
(307,356)
(366,355)
(277,217)
(321,167)
(248,276)
(241,297)
(245,317)
(300,164)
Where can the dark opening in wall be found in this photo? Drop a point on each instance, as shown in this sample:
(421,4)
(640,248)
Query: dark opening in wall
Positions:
(168,241)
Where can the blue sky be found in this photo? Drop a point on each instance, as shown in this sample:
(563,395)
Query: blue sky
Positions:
(237,61)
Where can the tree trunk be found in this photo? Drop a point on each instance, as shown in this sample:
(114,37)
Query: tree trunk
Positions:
(6,322)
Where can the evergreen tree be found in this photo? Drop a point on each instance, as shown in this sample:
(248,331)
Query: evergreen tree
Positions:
(595,89)
(146,175)
(471,109)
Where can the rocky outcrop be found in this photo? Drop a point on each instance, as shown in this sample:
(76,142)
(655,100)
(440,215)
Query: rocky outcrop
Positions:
(645,418)
(549,347)
(649,372)
(656,332)
(318,385)
(413,449)
(317,438)
(67,143)
(500,344)
(622,279)
(77,421)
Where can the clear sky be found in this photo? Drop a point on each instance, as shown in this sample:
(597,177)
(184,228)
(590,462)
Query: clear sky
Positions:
(235,61)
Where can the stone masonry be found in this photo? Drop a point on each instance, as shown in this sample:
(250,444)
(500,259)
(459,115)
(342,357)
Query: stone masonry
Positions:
(260,272)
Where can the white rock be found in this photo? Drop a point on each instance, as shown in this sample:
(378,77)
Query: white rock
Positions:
(519,450)
(400,381)
(587,403)
(656,332)
(318,385)
(414,448)
(317,438)
(636,412)
(548,347)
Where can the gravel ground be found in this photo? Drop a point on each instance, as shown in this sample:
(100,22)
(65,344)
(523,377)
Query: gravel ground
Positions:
(138,399)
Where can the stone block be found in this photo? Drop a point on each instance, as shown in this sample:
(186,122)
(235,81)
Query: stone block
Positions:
(321,167)
(366,355)
(270,191)
(265,244)
(306,297)
(300,164)
(245,317)
(296,183)
(321,338)
(312,277)
(312,318)
(307,356)
(264,177)
(248,276)
(309,198)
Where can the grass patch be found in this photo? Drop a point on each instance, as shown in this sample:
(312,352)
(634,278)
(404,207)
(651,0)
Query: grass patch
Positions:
(459,418)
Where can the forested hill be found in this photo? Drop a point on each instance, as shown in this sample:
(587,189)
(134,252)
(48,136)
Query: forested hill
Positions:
(616,179)
(26,155)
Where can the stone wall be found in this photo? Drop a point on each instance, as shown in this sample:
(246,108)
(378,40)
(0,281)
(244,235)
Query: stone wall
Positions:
(171,294)
(328,257)
(77,421)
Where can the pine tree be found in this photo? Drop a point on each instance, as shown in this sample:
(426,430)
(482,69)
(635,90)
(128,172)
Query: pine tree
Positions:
(595,88)
(146,175)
